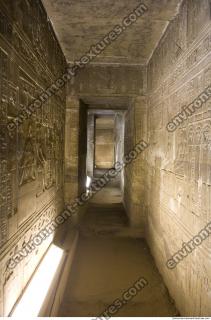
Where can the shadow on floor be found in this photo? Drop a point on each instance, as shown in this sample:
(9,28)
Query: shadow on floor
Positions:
(110,258)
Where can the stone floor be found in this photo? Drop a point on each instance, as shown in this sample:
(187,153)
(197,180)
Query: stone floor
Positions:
(109,260)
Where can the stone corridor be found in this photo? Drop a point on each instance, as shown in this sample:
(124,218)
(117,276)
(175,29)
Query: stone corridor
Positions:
(117,257)
(105,158)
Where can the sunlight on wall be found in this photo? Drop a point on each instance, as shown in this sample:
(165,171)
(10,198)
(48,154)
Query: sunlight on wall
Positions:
(34,296)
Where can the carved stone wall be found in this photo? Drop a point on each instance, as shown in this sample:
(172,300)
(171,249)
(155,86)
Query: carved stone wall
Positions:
(90,144)
(82,147)
(179,164)
(75,156)
(72,149)
(31,159)
(135,173)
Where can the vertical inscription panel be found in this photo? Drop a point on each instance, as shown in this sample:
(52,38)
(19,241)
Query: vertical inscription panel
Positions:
(8,144)
(179,70)
(31,156)
(27,166)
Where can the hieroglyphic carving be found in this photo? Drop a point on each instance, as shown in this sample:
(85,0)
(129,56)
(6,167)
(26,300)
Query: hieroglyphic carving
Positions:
(31,158)
(27,136)
(175,78)
(198,12)
(27,164)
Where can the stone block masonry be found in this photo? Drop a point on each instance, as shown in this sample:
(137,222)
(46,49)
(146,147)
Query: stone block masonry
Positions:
(179,163)
(32,156)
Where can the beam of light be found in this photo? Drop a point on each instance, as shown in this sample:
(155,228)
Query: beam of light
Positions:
(88,181)
(34,296)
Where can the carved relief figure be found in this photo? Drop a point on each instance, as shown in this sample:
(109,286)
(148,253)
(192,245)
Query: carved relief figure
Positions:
(181,153)
(41,160)
(206,138)
(206,150)
(28,160)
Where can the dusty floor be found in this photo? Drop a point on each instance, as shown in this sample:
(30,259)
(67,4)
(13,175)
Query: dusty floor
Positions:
(109,260)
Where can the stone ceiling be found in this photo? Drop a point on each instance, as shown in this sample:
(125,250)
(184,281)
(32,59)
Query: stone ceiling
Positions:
(111,103)
(79,24)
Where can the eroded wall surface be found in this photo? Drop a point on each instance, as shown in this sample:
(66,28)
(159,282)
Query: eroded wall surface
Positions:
(104,143)
(179,163)
(31,158)
(135,172)
(75,149)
